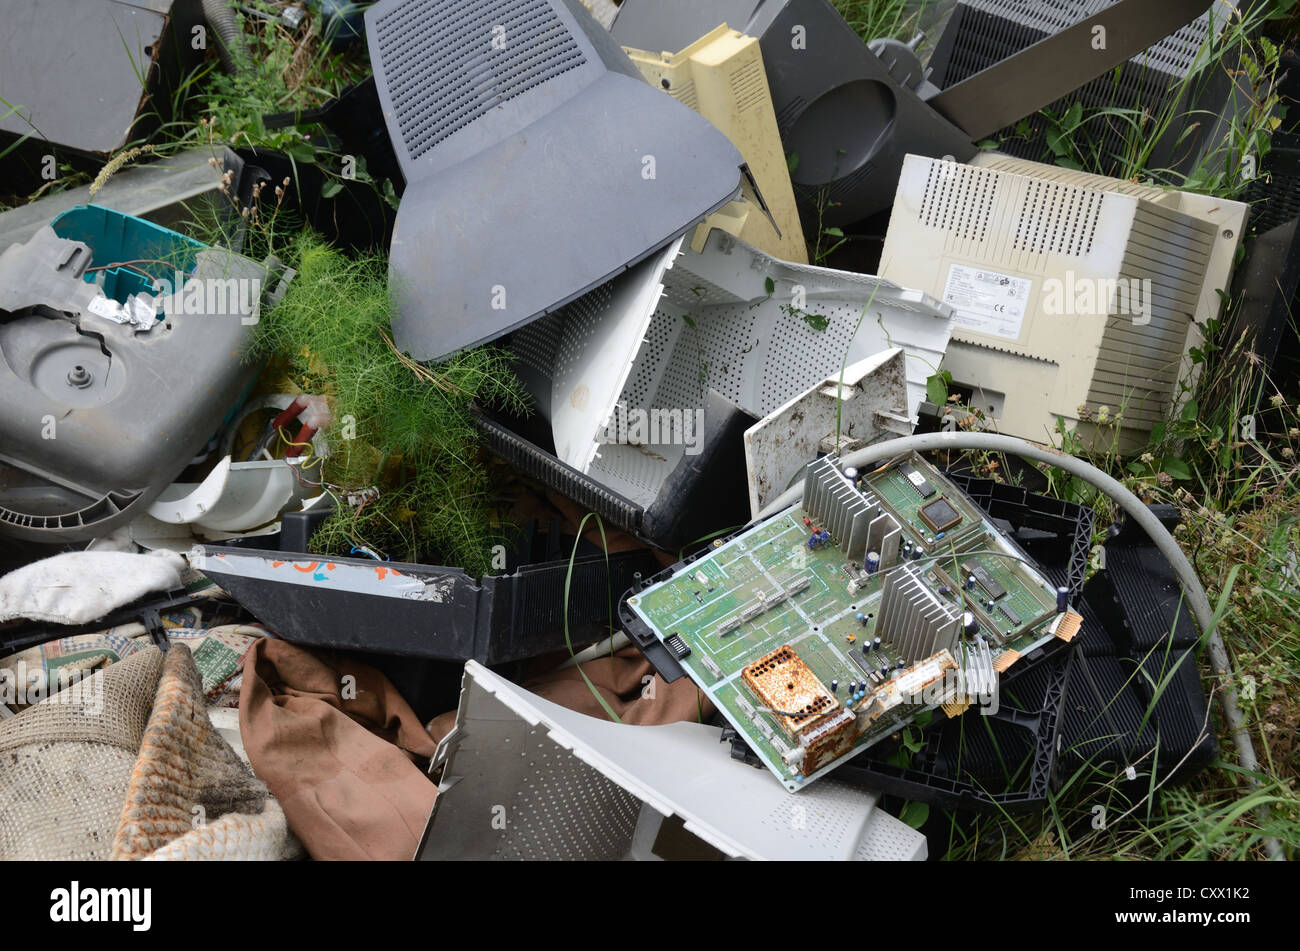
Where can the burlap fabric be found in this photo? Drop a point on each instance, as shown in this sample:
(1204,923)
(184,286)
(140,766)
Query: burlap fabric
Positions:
(126,765)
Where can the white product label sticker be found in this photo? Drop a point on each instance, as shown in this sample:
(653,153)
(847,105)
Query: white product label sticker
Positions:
(987,302)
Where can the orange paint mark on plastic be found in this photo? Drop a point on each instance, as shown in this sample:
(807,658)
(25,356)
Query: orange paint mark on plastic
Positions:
(308,570)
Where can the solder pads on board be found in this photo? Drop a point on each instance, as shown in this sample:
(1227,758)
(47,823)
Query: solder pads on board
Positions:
(832,624)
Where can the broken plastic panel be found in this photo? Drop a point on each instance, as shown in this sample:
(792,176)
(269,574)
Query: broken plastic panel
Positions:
(846,115)
(114,386)
(730,319)
(238,496)
(1173,78)
(425,611)
(71,70)
(591,789)
(842,413)
(538,163)
(1268,288)
(166,192)
(721,77)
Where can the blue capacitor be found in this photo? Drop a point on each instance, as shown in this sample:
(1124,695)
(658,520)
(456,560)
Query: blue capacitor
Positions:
(872,564)
(824,537)
(970,582)
(835,686)
(900,663)
(862,618)
(876,643)
(812,541)
(1062,599)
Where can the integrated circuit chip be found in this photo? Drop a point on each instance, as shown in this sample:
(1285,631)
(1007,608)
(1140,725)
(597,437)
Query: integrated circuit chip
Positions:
(985,580)
(918,481)
(939,515)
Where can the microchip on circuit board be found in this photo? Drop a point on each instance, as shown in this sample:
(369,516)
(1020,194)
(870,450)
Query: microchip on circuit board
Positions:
(939,515)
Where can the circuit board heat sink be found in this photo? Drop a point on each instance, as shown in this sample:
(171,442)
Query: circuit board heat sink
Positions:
(831,625)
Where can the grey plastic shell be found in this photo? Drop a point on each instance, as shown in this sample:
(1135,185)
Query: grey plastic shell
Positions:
(77,461)
(539,163)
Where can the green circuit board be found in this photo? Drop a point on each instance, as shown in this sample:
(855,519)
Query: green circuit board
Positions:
(779,624)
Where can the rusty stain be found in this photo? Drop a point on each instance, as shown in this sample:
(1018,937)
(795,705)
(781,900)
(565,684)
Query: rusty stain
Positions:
(782,681)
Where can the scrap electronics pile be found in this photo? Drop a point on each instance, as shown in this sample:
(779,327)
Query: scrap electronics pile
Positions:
(624,196)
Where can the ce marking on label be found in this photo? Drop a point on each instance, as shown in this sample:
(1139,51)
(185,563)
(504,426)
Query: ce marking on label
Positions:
(999,308)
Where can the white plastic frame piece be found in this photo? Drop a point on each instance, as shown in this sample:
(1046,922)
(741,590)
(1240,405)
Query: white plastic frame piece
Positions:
(524,778)
(840,414)
(730,318)
(237,496)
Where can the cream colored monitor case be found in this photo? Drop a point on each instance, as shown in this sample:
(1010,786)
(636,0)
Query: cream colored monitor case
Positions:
(1072,292)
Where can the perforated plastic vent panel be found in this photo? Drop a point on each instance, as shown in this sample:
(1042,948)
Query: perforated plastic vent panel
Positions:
(1057,219)
(447,64)
(1009,26)
(564,809)
(710,322)
(959,199)
(524,778)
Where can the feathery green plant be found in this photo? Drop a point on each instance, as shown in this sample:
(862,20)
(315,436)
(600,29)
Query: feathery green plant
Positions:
(401,427)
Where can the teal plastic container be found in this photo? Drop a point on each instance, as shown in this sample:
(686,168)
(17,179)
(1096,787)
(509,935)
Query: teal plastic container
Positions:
(114,237)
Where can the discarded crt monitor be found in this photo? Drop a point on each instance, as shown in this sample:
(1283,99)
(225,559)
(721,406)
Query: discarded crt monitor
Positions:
(90,75)
(1177,82)
(113,380)
(624,374)
(594,790)
(849,113)
(538,163)
(1071,290)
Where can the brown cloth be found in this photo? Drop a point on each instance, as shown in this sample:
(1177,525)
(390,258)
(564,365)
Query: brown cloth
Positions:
(345,770)
(621,680)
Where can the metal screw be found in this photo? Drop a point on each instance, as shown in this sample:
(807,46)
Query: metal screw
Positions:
(79,377)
